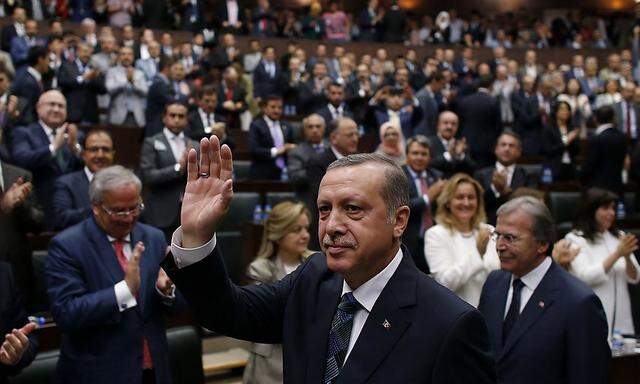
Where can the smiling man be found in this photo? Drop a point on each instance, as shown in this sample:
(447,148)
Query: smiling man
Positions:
(544,323)
(360,312)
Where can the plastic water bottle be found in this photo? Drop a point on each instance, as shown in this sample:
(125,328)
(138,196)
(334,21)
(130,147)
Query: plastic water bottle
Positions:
(284,175)
(257,214)
(266,212)
(547,175)
(621,212)
(617,342)
(38,320)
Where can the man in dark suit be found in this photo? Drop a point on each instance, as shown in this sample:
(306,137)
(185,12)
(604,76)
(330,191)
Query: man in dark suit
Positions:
(425,186)
(16,28)
(606,151)
(167,86)
(29,84)
(627,114)
(505,176)
(313,128)
(19,215)
(449,155)
(204,118)
(162,164)
(231,17)
(363,202)
(527,119)
(267,75)
(81,84)
(429,98)
(107,291)
(312,92)
(19,345)
(480,122)
(232,98)
(49,149)
(20,45)
(543,322)
(269,141)
(396,104)
(71,202)
(335,107)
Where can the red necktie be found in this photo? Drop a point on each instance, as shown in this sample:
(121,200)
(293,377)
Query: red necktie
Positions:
(229,94)
(427,220)
(628,122)
(147,362)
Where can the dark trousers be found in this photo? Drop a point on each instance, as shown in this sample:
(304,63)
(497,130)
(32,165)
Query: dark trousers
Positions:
(148,376)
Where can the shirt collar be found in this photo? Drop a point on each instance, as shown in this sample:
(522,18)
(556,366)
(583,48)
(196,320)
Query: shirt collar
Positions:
(534,277)
(34,72)
(603,128)
(88,173)
(127,239)
(337,154)
(368,293)
(415,175)
(270,123)
(509,169)
(170,135)
(47,129)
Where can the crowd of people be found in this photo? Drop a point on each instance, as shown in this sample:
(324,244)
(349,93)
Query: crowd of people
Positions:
(455,127)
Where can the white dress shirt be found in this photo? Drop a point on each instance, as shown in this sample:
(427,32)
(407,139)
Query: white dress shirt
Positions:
(88,173)
(232,12)
(531,281)
(176,142)
(208,119)
(611,287)
(416,181)
(124,297)
(501,168)
(50,135)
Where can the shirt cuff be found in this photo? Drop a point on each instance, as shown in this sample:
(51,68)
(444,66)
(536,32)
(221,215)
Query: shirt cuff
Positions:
(495,191)
(184,257)
(425,197)
(167,298)
(80,79)
(124,297)
(447,156)
(274,152)
(52,150)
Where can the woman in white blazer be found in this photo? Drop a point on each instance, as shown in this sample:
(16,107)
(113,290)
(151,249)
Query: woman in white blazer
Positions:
(283,249)
(459,249)
(606,261)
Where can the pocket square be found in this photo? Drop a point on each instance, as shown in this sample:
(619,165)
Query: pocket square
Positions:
(159,146)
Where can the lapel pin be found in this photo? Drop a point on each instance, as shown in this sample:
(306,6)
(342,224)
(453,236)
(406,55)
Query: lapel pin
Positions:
(386,324)
(541,304)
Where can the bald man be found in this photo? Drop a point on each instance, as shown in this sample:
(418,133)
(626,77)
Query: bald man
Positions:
(48,148)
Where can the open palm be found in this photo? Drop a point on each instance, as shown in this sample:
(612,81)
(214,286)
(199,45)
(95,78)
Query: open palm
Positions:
(206,199)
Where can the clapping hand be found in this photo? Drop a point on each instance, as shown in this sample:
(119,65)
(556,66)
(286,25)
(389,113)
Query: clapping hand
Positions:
(15,195)
(564,252)
(15,344)
(208,192)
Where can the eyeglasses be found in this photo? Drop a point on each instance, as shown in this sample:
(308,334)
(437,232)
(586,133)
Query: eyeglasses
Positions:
(122,214)
(509,238)
(98,149)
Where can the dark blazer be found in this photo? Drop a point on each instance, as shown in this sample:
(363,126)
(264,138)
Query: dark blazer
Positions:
(480,123)
(82,98)
(412,238)
(298,160)
(328,118)
(100,344)
(635,163)
(238,94)
(409,121)
(13,316)
(527,122)
(426,320)
(28,89)
(163,184)
(448,168)
(196,128)
(222,15)
(430,111)
(603,163)
(14,245)
(263,166)
(562,326)
(31,151)
(160,94)
(491,202)
(7,34)
(620,119)
(265,85)
(553,149)
(71,202)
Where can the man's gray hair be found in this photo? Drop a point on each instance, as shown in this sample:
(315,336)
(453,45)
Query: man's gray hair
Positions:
(110,179)
(543,227)
(395,186)
(308,119)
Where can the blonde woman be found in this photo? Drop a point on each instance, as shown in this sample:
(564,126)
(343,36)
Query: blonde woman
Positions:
(284,247)
(392,143)
(459,249)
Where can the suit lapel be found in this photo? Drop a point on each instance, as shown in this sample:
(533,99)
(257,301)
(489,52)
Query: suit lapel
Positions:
(84,186)
(539,302)
(169,152)
(386,323)
(105,251)
(518,178)
(495,302)
(328,297)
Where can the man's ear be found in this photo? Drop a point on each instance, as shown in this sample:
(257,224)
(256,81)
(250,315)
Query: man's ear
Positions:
(401,220)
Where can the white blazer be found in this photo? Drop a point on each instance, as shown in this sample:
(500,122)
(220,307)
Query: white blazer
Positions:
(455,262)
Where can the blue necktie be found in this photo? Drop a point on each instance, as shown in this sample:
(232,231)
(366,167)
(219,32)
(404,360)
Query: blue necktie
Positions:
(339,336)
(514,310)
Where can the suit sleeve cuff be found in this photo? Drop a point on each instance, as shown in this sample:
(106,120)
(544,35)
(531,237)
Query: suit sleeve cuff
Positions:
(184,257)
(124,297)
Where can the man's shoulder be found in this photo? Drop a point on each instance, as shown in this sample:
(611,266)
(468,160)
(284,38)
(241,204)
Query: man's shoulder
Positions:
(28,130)
(8,169)
(572,289)
(71,178)
(438,303)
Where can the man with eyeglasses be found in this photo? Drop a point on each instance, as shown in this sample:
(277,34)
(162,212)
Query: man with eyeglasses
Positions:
(163,162)
(71,202)
(107,291)
(544,323)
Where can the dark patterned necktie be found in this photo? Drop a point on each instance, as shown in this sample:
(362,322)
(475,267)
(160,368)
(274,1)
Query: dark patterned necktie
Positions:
(514,310)
(339,336)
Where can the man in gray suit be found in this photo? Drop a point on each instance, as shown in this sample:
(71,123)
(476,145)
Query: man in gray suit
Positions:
(162,163)
(628,113)
(314,143)
(127,87)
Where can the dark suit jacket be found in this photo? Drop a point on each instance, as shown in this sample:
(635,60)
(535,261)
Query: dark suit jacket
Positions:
(160,94)
(238,94)
(8,33)
(553,149)
(265,85)
(222,14)
(491,202)
(82,98)
(71,202)
(430,111)
(27,88)
(31,151)
(326,114)
(603,163)
(448,168)
(527,122)
(196,128)
(263,166)
(562,326)
(635,163)
(426,320)
(412,238)
(409,121)
(164,185)
(620,119)
(480,123)
(14,245)
(13,316)
(100,344)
